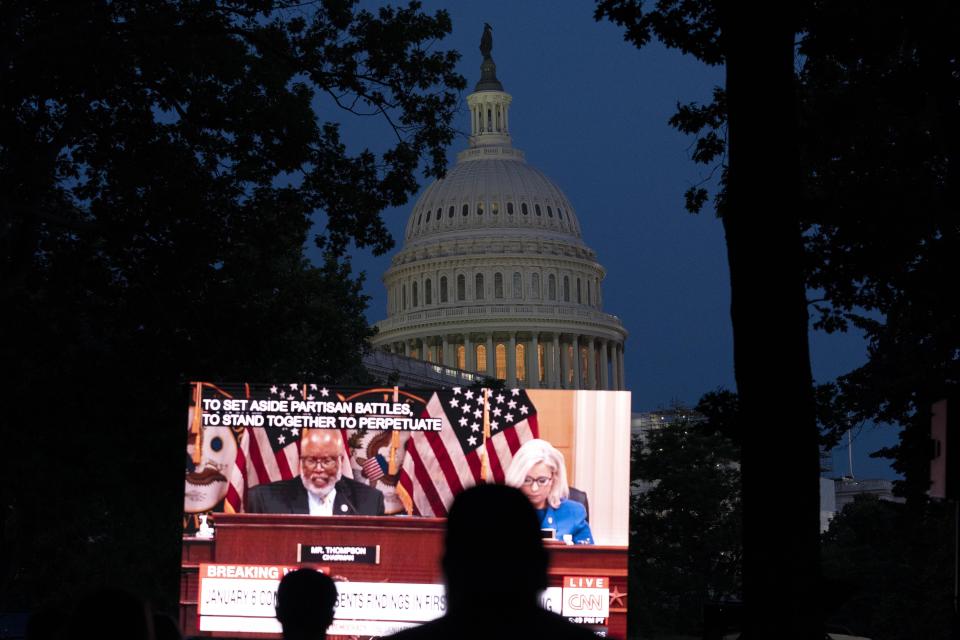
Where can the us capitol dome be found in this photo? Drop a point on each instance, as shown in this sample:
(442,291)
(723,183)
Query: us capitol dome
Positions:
(494,276)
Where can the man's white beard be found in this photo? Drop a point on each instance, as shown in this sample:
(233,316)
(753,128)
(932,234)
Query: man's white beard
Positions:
(315,491)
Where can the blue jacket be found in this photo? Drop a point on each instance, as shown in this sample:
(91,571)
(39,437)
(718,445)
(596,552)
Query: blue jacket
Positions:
(570,518)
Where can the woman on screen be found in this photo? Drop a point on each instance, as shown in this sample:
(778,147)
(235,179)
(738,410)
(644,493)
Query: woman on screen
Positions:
(539,472)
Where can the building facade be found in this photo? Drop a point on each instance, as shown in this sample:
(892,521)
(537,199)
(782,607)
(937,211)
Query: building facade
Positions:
(494,276)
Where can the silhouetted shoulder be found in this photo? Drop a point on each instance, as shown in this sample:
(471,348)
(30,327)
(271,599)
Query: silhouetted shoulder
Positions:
(539,624)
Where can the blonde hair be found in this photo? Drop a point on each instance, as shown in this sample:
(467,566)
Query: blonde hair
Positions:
(532,453)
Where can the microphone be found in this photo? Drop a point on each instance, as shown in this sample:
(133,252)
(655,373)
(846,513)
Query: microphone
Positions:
(347,503)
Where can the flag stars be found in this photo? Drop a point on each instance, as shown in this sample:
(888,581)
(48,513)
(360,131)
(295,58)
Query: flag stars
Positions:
(512,404)
(472,440)
(508,417)
(494,425)
(515,392)
(281,438)
(324,392)
(467,408)
(463,421)
(454,402)
(295,431)
(311,397)
(456,391)
(273,389)
(478,413)
(524,409)
(293,385)
(496,411)
(500,398)
(313,386)
(475,426)
(468,395)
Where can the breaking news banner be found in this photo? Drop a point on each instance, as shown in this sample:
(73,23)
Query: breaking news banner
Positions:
(242,598)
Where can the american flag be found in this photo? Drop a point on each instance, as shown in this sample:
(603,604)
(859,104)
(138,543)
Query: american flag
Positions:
(438,465)
(268,454)
(375,467)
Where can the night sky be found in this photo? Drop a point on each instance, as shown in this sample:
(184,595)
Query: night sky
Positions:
(591,111)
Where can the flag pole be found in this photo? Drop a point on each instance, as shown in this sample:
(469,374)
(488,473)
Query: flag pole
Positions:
(394,440)
(484,467)
(197,426)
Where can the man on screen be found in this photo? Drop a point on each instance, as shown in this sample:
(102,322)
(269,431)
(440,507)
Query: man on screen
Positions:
(320,489)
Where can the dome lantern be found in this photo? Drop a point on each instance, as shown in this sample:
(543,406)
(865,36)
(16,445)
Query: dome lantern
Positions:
(489,103)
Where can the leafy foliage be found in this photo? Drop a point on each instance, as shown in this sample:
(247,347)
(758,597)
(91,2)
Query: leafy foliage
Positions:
(766,280)
(162,167)
(879,102)
(890,569)
(693,27)
(882,187)
(685,526)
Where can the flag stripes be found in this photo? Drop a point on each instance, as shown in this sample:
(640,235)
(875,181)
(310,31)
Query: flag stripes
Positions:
(438,465)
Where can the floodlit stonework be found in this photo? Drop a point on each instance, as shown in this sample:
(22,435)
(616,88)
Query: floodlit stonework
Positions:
(494,276)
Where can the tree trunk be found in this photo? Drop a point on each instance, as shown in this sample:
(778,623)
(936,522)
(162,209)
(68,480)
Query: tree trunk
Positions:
(780,456)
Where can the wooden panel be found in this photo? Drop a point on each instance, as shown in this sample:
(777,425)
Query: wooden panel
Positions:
(555,419)
(189,620)
(410,551)
(196,550)
(409,547)
(189,584)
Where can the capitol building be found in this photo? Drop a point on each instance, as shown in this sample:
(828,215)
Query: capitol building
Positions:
(494,277)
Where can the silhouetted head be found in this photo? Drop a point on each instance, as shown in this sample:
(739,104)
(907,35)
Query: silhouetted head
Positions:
(165,627)
(493,548)
(46,624)
(305,602)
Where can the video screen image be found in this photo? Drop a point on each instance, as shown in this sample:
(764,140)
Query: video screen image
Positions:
(360,476)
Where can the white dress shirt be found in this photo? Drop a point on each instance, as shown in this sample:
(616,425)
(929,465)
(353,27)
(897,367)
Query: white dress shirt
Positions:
(321,506)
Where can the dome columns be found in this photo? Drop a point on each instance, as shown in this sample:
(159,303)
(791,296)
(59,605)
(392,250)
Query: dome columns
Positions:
(469,353)
(489,119)
(577,363)
(567,360)
(533,363)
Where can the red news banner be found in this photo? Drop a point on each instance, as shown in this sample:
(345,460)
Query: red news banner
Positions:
(237,598)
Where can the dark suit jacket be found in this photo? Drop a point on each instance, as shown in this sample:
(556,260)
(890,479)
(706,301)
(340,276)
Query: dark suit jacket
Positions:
(289,496)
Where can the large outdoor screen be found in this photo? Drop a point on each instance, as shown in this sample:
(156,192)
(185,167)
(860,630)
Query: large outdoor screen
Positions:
(330,454)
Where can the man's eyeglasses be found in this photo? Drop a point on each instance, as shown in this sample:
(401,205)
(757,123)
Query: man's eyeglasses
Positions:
(326,462)
(536,483)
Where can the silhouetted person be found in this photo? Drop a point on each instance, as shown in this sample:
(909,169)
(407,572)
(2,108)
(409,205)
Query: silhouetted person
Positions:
(46,624)
(495,567)
(305,602)
(165,627)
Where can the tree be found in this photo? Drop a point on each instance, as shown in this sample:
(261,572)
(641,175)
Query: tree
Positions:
(761,221)
(685,523)
(878,100)
(888,572)
(162,166)
(881,225)
(878,97)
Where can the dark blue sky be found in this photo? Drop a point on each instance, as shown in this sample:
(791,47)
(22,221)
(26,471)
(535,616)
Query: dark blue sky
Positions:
(591,112)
